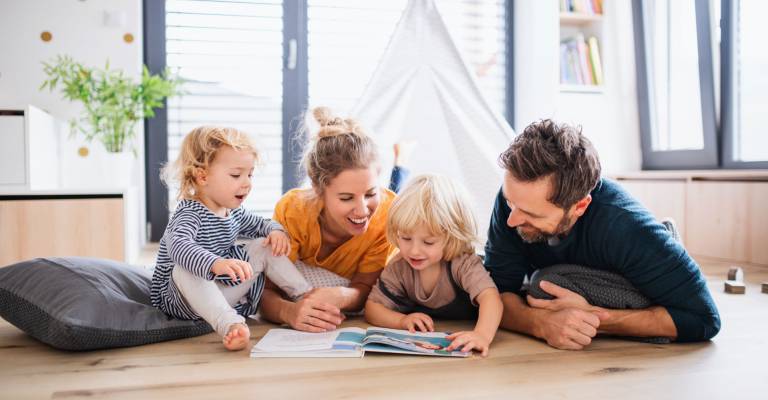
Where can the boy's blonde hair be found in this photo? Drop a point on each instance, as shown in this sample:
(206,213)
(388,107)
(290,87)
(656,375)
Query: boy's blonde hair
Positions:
(198,150)
(335,145)
(433,201)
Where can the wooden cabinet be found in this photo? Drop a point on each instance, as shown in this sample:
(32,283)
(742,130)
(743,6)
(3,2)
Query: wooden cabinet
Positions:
(758,223)
(718,219)
(29,153)
(729,220)
(721,214)
(54,225)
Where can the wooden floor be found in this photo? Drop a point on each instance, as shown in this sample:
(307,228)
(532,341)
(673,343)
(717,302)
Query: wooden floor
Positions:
(733,366)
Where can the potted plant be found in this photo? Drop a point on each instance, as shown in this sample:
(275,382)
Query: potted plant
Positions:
(113,102)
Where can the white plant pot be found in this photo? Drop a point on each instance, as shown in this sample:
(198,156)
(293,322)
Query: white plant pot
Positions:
(118,169)
(89,166)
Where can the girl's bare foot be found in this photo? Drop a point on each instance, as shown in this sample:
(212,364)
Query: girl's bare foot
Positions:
(237,338)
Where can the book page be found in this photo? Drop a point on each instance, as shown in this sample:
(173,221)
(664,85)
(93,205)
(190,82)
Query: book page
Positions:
(288,339)
(292,340)
(433,343)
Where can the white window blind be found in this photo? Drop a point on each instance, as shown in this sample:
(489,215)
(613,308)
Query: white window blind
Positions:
(231,54)
(479,29)
(674,75)
(347,39)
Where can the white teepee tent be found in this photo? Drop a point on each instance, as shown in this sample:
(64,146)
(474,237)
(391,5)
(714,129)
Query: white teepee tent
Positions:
(423,91)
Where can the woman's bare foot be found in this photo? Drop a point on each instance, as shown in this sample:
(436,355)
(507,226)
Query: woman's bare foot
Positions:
(403,151)
(237,338)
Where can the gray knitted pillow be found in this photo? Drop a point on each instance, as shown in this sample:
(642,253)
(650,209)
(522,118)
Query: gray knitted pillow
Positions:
(600,288)
(79,303)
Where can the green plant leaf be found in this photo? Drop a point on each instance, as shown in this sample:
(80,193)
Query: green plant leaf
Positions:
(113,102)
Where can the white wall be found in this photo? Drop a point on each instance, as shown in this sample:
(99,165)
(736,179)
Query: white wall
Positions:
(80,31)
(610,118)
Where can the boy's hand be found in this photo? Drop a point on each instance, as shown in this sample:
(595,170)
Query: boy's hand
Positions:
(237,270)
(420,321)
(469,340)
(281,244)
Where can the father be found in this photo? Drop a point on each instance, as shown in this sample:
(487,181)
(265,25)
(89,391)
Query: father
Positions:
(554,208)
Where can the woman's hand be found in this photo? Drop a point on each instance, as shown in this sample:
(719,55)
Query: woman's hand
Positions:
(335,295)
(469,340)
(280,243)
(312,315)
(420,321)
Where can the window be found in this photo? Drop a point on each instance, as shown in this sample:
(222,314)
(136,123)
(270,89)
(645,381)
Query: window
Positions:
(479,29)
(347,38)
(257,64)
(675,84)
(231,54)
(745,124)
(702,87)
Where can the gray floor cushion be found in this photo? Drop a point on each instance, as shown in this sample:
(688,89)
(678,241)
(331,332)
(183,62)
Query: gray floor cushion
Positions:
(76,303)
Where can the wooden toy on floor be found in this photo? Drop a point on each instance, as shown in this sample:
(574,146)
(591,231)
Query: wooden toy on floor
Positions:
(736,274)
(735,287)
(735,282)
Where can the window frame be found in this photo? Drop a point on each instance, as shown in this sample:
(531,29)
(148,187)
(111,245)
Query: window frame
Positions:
(155,129)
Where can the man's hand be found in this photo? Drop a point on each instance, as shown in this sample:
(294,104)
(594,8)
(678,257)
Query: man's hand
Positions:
(563,299)
(572,322)
(568,329)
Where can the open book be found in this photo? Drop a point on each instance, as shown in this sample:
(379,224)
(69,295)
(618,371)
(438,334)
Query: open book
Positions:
(352,342)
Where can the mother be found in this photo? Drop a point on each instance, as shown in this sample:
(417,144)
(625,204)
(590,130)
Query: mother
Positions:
(339,224)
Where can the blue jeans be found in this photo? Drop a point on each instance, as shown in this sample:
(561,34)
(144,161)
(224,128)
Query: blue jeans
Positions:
(398,177)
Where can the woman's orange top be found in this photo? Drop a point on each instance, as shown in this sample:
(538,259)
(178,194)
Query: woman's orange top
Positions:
(298,212)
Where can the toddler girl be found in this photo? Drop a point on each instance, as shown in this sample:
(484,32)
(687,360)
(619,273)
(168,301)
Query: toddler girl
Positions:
(200,271)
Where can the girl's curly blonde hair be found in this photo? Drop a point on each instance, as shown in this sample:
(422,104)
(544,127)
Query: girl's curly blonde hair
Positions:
(198,150)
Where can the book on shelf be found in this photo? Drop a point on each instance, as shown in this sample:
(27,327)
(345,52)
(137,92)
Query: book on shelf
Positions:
(351,342)
(588,7)
(580,62)
(594,57)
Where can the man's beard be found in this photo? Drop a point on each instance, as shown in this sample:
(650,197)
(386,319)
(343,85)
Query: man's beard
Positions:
(540,236)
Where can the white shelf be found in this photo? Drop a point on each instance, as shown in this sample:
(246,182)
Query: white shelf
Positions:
(581,88)
(20,191)
(570,18)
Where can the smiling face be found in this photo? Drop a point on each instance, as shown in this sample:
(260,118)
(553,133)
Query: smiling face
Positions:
(421,248)
(349,201)
(533,216)
(227,181)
